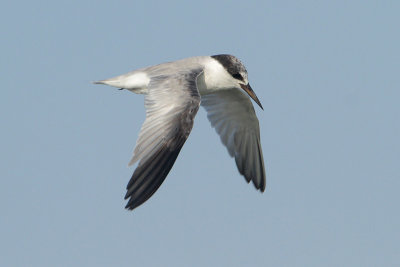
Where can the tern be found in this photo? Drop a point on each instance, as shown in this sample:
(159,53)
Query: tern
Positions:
(173,93)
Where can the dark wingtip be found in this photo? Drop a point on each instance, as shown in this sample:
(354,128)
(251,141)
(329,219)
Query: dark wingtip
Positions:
(149,176)
(262,188)
(130,206)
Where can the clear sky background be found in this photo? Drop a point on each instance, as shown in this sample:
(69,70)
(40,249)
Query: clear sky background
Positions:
(326,72)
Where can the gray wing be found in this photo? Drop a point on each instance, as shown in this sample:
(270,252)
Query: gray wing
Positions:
(171,104)
(232,115)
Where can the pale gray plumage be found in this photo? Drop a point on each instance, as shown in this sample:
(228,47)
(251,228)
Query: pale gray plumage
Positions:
(163,133)
(233,117)
(173,92)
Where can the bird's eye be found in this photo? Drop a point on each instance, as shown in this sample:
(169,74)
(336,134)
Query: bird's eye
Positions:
(237,76)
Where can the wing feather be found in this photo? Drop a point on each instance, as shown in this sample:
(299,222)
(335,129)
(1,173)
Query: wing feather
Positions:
(232,115)
(171,105)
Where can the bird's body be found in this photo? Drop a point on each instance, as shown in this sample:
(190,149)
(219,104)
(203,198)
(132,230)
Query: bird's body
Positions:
(173,93)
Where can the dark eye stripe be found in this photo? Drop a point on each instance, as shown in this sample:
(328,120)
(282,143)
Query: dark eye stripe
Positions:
(237,76)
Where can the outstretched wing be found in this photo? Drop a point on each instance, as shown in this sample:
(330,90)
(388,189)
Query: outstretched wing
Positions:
(171,104)
(232,114)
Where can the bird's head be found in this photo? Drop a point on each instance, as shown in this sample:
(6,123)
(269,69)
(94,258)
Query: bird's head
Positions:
(232,74)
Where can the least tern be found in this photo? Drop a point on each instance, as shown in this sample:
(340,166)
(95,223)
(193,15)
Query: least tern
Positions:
(173,93)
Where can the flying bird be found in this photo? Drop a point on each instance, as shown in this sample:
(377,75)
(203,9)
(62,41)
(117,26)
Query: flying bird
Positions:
(173,93)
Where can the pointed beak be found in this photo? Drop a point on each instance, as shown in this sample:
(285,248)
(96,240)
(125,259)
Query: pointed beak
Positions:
(251,93)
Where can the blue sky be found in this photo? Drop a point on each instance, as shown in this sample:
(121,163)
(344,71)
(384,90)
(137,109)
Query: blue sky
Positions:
(326,72)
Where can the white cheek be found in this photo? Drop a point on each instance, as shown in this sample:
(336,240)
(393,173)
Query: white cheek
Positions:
(217,78)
